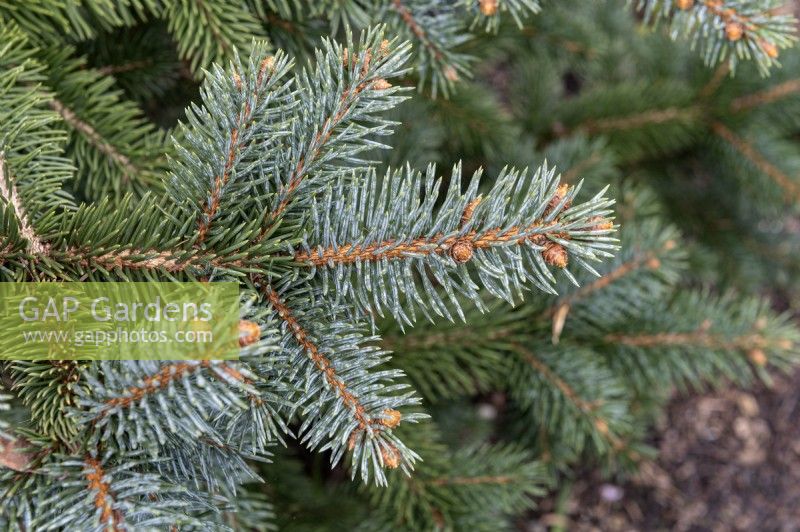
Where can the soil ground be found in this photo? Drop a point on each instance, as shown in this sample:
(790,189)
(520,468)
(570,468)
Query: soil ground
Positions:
(728,460)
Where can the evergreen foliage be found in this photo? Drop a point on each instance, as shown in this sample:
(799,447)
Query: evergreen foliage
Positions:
(727,30)
(420,349)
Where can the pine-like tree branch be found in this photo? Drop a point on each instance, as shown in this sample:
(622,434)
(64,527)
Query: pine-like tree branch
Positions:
(351,414)
(243,121)
(649,259)
(347,100)
(129,170)
(395,230)
(701,337)
(650,117)
(727,30)
(789,187)
(342,126)
(322,364)
(766,96)
(591,410)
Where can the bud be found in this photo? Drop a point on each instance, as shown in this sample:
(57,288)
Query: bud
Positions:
(734,31)
(391,456)
(488,7)
(757,357)
(561,192)
(450,73)
(466,216)
(267,63)
(461,251)
(770,49)
(392,419)
(249,333)
(601,224)
(555,255)
(785,344)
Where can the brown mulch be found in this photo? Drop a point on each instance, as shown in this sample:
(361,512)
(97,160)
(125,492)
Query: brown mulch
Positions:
(728,460)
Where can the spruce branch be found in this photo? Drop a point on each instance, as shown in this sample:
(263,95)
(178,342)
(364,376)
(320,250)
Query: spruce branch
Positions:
(48,21)
(473,486)
(586,407)
(698,335)
(437,30)
(118,402)
(650,263)
(523,225)
(152,243)
(639,119)
(270,185)
(121,400)
(128,170)
(31,156)
(250,510)
(790,187)
(225,144)
(345,406)
(766,96)
(47,388)
(727,30)
(210,32)
(339,101)
(488,13)
(646,118)
(91,489)
(142,60)
(115,150)
(103,499)
(452,359)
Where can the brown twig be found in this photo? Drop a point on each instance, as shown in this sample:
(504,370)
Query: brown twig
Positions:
(772,94)
(698,338)
(103,499)
(160,380)
(791,188)
(9,193)
(472,481)
(124,67)
(129,171)
(322,363)
(587,408)
(416,29)
(348,254)
(645,118)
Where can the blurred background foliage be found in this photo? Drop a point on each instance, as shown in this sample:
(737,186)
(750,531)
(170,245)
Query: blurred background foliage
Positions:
(705,166)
